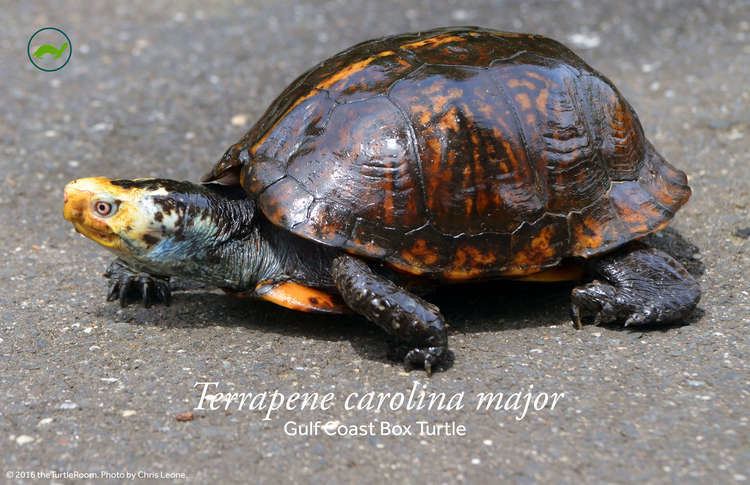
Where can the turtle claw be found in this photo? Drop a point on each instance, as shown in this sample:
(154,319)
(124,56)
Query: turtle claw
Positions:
(126,284)
(147,288)
(163,294)
(577,310)
(575,313)
(113,290)
(425,358)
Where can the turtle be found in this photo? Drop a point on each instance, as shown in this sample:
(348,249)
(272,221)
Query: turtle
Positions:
(459,154)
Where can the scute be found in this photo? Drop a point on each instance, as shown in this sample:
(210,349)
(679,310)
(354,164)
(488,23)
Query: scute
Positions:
(457,153)
(361,167)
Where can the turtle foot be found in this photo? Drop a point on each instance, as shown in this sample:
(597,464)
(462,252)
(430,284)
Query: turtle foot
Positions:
(127,285)
(641,287)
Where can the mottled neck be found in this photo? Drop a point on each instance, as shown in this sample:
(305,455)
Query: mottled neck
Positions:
(217,237)
(215,240)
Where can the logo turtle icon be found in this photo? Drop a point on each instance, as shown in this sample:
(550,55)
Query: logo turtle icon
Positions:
(50,49)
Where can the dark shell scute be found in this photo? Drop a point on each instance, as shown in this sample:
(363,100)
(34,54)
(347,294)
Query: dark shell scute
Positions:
(362,166)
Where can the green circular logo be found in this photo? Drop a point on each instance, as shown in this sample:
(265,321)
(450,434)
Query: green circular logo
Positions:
(49,49)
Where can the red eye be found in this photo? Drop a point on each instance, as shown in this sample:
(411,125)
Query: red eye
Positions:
(103,208)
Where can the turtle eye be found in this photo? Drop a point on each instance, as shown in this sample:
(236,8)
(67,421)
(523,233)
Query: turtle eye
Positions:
(104,208)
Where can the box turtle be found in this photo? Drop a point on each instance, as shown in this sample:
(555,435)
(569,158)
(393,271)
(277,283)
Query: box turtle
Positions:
(453,155)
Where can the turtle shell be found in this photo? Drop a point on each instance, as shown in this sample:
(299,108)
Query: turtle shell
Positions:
(457,153)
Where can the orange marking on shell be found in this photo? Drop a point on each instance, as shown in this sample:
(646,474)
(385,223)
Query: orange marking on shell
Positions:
(511,156)
(468,263)
(482,201)
(420,254)
(433,41)
(328,232)
(478,256)
(460,258)
(411,206)
(481,196)
(446,176)
(515,271)
(425,117)
(674,198)
(488,110)
(299,297)
(406,268)
(461,274)
(517,83)
(538,251)
(450,120)
(440,100)
(513,35)
(588,234)
(524,101)
(469,205)
(435,148)
(475,152)
(369,248)
(541,100)
(435,88)
(350,70)
(535,75)
(636,220)
(388,205)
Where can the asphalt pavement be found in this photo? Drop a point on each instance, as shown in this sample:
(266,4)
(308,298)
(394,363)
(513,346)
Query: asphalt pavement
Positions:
(157,88)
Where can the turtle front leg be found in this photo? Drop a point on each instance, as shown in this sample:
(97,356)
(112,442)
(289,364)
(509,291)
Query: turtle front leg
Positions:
(416,325)
(641,286)
(126,284)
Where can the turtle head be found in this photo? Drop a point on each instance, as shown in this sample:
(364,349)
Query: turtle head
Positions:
(118,218)
(153,223)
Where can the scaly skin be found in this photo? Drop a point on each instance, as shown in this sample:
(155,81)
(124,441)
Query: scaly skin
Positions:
(641,286)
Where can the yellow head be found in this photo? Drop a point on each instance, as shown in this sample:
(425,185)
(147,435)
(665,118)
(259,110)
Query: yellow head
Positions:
(106,213)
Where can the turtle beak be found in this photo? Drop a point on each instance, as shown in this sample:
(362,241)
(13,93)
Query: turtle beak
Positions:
(73,202)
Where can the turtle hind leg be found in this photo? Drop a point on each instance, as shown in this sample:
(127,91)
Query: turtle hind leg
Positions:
(126,284)
(641,286)
(415,326)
